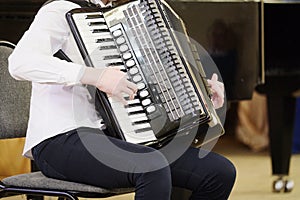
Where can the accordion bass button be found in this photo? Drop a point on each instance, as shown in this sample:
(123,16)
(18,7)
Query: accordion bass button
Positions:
(150,109)
(137,78)
(117,33)
(123,48)
(144,93)
(133,71)
(120,40)
(127,55)
(146,102)
(141,85)
(130,63)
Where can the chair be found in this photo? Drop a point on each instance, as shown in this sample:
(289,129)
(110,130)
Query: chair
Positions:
(14,97)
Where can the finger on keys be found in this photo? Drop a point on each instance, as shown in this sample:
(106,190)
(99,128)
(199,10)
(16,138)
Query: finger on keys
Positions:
(214,77)
(129,92)
(121,98)
(116,67)
(132,86)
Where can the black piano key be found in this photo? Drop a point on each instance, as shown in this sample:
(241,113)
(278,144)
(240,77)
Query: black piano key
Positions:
(94,16)
(100,30)
(100,40)
(132,104)
(114,64)
(136,112)
(143,130)
(108,47)
(109,57)
(96,23)
(140,122)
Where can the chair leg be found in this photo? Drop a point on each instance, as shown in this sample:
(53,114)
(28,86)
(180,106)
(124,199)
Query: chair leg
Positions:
(31,197)
(68,198)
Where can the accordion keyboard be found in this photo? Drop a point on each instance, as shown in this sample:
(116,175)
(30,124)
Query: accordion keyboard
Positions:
(104,51)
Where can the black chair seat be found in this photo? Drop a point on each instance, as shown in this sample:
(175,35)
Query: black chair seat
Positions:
(37,183)
(38,180)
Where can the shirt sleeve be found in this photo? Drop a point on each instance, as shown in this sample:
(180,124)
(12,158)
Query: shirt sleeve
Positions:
(33,60)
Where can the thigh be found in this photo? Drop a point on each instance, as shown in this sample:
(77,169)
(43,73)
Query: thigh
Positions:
(89,156)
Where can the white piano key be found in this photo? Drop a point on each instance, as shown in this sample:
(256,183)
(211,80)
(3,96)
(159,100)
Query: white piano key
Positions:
(100,19)
(112,43)
(99,54)
(133,101)
(99,59)
(102,54)
(129,130)
(83,16)
(134,109)
(87,34)
(139,115)
(122,117)
(84,26)
(141,126)
(137,138)
(138,119)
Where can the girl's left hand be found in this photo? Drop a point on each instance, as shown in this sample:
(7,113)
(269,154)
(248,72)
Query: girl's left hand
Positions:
(218,91)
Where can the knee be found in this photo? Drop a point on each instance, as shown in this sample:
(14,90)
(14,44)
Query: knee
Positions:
(225,178)
(228,172)
(222,178)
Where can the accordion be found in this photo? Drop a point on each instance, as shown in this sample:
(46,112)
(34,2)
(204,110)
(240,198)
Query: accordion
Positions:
(148,41)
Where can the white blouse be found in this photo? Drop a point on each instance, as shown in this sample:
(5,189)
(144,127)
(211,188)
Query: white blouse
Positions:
(59,102)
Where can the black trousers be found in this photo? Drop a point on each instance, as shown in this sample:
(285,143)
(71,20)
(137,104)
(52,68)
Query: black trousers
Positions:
(83,156)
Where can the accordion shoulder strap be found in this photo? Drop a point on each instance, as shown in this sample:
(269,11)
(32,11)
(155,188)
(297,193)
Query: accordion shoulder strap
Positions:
(60,54)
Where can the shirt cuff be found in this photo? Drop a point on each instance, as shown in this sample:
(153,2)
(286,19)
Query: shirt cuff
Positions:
(73,76)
